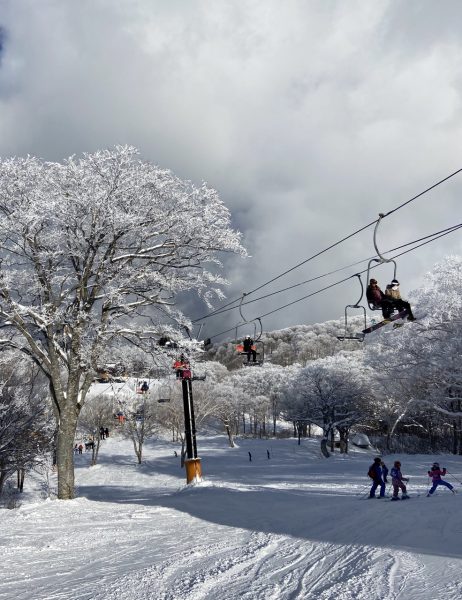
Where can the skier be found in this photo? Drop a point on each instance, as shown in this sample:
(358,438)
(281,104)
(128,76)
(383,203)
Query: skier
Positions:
(144,387)
(248,348)
(375,473)
(397,482)
(392,292)
(435,475)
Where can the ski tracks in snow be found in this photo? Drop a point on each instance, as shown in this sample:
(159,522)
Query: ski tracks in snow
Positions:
(261,566)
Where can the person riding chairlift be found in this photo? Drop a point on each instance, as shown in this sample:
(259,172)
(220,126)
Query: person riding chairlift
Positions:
(249,348)
(180,365)
(393,292)
(387,302)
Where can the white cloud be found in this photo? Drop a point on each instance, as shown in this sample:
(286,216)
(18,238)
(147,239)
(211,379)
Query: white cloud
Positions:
(309,117)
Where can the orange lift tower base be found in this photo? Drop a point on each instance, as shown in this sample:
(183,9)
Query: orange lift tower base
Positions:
(192,462)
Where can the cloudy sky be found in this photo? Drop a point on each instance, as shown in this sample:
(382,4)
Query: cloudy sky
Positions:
(309,116)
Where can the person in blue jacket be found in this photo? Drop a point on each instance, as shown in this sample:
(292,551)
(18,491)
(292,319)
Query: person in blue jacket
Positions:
(375,473)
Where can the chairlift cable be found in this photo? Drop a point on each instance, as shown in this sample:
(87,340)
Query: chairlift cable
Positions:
(432,235)
(361,272)
(445,232)
(390,212)
(383,215)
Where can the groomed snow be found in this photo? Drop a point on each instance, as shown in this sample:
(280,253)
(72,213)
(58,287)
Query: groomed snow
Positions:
(296,526)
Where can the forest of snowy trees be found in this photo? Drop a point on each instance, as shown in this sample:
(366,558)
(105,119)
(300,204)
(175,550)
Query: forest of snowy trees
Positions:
(402,387)
(94,252)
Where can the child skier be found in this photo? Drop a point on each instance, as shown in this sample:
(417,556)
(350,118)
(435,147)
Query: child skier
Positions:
(435,475)
(397,482)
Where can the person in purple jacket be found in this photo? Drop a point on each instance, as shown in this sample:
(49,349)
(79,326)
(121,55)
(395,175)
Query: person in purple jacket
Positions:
(436,473)
(397,482)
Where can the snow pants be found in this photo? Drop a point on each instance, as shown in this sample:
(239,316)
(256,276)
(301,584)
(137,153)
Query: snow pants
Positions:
(439,482)
(398,485)
(252,353)
(377,482)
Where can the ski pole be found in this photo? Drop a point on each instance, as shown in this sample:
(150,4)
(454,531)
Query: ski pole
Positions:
(362,493)
(458,480)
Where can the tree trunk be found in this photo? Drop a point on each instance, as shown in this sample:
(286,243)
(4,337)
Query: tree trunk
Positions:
(67,426)
(21,474)
(460,436)
(230,436)
(95,451)
(3,478)
(138,450)
(324,449)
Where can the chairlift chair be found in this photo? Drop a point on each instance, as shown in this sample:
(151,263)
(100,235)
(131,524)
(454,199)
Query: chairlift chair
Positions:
(358,337)
(258,344)
(381,259)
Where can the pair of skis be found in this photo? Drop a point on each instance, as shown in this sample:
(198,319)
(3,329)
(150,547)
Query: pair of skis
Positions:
(395,317)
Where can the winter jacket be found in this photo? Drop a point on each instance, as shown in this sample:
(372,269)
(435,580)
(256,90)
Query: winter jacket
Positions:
(248,343)
(396,475)
(436,474)
(375,472)
(374,295)
(393,292)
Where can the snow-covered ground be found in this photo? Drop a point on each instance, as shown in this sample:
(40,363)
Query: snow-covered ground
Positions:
(296,526)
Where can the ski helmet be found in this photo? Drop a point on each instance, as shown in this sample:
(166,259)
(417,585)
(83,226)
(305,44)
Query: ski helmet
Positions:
(437,465)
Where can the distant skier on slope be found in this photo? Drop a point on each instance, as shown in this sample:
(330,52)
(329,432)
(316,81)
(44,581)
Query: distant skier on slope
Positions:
(375,473)
(436,473)
(397,481)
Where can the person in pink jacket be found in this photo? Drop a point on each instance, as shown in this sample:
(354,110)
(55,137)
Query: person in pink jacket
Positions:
(436,473)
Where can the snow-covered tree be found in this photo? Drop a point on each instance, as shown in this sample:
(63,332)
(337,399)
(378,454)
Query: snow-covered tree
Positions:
(97,248)
(25,434)
(331,393)
(141,422)
(96,413)
(227,403)
(423,359)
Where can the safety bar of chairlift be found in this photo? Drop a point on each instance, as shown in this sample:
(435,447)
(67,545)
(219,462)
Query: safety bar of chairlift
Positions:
(359,337)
